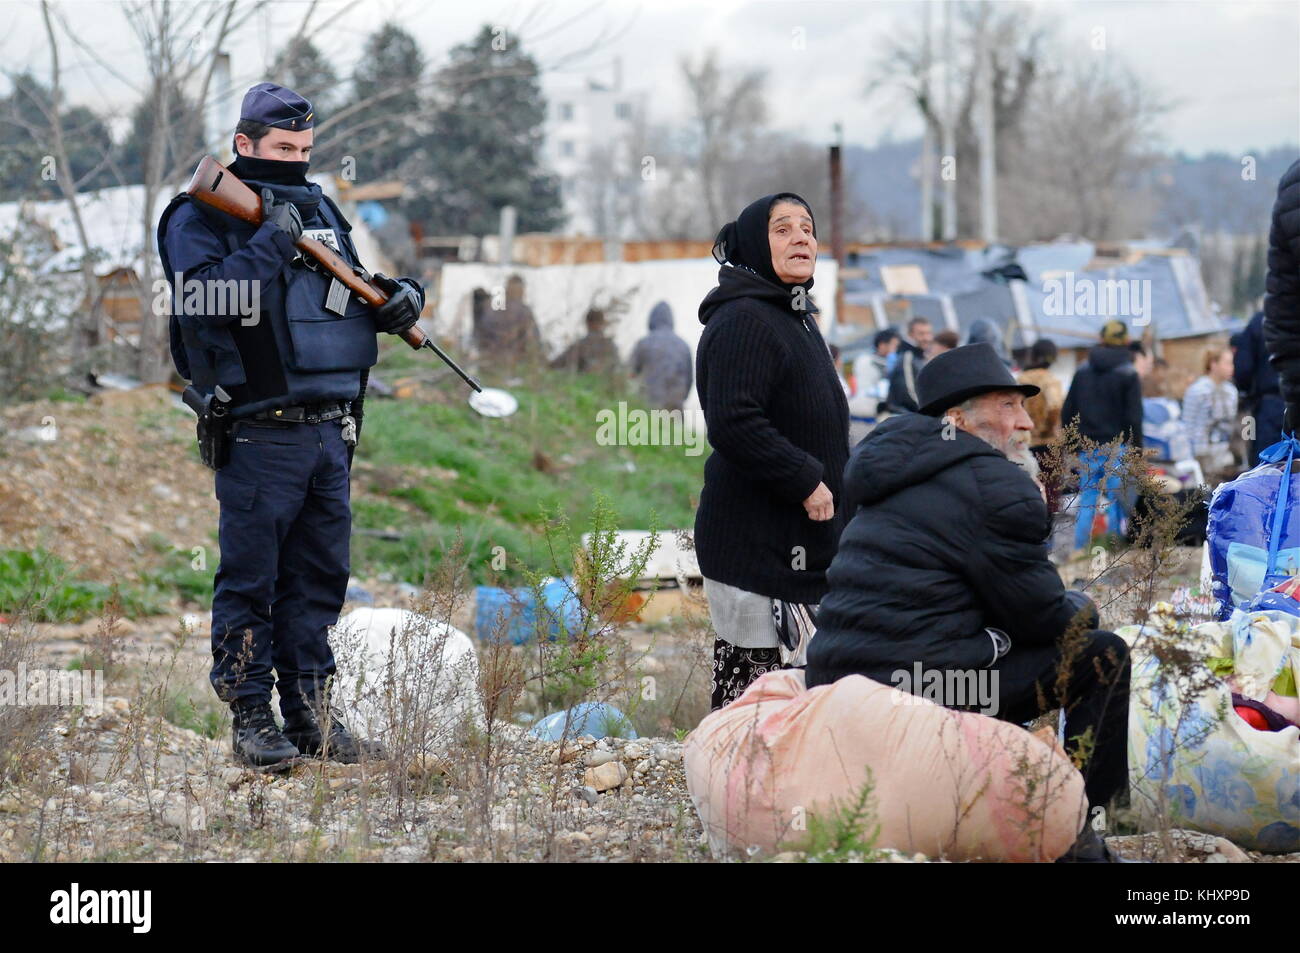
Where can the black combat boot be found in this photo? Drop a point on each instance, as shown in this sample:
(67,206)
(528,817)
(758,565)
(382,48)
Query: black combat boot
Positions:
(336,743)
(256,738)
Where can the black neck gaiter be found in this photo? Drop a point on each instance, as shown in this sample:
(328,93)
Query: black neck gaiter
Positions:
(287,180)
(272,171)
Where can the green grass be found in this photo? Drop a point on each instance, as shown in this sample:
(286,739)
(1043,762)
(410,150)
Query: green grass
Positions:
(476,476)
(43,585)
(49,590)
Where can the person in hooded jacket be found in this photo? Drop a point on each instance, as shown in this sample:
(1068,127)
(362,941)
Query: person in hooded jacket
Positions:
(1281,324)
(778,420)
(1105,401)
(986,331)
(663,363)
(943,565)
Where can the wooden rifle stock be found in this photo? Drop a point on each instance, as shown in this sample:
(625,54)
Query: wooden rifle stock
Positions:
(215,185)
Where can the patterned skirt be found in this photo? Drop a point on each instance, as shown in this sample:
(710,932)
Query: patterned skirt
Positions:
(735,668)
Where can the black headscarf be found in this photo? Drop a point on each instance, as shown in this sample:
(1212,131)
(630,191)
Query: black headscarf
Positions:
(744,243)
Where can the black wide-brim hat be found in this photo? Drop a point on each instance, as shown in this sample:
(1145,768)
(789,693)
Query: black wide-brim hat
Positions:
(962,373)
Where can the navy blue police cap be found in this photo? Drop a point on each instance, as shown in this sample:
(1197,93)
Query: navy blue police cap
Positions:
(278,106)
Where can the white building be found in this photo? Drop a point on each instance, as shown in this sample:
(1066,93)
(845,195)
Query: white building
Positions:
(588,132)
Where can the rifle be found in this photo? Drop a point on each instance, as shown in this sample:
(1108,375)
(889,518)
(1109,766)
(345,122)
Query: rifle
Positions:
(215,185)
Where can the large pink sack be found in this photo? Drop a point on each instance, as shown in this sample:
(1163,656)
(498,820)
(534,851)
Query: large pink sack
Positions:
(945,783)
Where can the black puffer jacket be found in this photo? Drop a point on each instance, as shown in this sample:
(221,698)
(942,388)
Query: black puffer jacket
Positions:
(1282,305)
(1106,396)
(779,424)
(947,537)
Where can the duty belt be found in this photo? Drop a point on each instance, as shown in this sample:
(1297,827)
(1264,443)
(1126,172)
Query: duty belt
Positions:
(306,413)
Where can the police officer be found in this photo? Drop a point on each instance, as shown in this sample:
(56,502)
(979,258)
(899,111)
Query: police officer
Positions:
(291,371)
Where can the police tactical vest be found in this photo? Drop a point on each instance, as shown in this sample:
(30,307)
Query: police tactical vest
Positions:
(297,351)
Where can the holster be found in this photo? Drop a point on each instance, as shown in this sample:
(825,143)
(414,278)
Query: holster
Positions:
(213,427)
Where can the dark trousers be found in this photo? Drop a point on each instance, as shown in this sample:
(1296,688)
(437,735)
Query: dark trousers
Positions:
(284,534)
(1268,413)
(1094,696)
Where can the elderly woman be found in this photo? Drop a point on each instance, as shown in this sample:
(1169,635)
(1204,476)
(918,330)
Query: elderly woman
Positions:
(767,523)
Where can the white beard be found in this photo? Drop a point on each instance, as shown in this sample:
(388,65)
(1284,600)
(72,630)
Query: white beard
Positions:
(1015,449)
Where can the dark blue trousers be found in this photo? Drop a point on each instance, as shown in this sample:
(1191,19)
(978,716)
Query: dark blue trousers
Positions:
(285,528)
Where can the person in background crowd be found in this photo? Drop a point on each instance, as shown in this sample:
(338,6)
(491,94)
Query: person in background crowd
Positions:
(1143,362)
(1257,379)
(1210,415)
(919,335)
(662,362)
(1105,402)
(768,518)
(902,382)
(593,353)
(943,341)
(1156,381)
(986,331)
(870,384)
(509,337)
(1282,302)
(1044,408)
(870,369)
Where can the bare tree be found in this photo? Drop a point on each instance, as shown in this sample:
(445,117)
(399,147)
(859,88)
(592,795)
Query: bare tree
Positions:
(729,110)
(1015,40)
(90,333)
(172,39)
(1082,169)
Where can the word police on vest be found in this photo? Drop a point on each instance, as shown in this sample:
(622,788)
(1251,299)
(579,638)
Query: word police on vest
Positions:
(76,906)
(233,297)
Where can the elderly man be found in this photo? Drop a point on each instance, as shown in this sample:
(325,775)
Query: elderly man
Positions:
(944,566)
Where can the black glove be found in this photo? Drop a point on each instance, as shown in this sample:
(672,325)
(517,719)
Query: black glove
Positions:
(283,215)
(1081,602)
(1291,419)
(402,309)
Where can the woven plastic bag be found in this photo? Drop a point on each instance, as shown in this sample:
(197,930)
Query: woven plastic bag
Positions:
(767,769)
(1193,762)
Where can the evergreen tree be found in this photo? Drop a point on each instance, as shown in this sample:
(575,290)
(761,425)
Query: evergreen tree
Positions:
(302,67)
(184,142)
(381,124)
(484,149)
(25,137)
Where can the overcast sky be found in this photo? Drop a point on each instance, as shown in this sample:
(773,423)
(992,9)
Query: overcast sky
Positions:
(1231,69)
